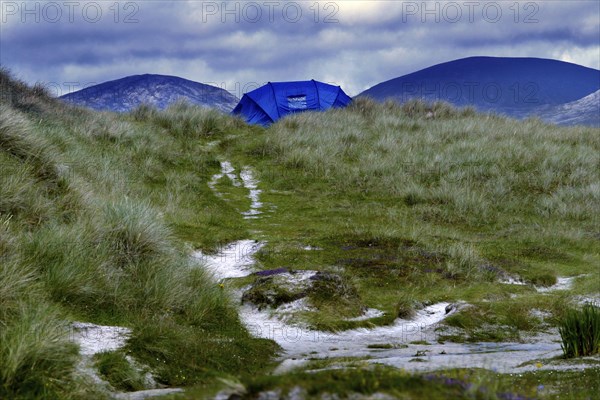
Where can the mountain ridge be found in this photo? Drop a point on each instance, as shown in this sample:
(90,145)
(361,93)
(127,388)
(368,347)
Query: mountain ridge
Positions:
(515,86)
(125,94)
(585,111)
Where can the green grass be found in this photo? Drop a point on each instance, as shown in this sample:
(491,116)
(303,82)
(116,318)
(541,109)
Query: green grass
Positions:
(580,332)
(411,205)
(420,209)
(455,384)
(543,384)
(118,371)
(366,381)
(36,361)
(96,215)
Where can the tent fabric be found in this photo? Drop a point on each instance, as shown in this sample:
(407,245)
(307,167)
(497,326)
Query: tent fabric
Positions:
(270,102)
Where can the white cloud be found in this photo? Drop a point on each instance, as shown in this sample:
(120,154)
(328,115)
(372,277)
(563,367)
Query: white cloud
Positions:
(584,56)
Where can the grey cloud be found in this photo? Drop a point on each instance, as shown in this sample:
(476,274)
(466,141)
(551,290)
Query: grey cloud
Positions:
(364,47)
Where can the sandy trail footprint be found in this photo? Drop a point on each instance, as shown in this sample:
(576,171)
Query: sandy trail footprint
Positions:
(246,180)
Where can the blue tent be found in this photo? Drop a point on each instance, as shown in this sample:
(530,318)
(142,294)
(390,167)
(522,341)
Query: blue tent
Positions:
(275,100)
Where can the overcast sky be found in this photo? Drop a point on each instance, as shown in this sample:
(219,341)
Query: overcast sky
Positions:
(240,44)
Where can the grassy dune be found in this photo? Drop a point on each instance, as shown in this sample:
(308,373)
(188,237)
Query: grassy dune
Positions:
(87,212)
(411,205)
(424,204)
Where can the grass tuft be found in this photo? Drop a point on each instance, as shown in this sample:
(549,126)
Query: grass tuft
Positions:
(36,360)
(133,232)
(118,371)
(17,139)
(405,307)
(580,332)
(184,120)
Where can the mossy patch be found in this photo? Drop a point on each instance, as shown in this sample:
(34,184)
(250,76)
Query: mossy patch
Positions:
(119,372)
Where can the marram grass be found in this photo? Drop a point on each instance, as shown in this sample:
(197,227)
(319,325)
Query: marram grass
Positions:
(580,332)
(85,235)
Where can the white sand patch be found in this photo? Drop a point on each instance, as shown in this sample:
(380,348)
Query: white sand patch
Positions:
(504,357)
(562,283)
(296,339)
(540,314)
(288,312)
(93,338)
(500,357)
(590,299)
(295,306)
(236,260)
(144,394)
(251,184)
(226,170)
(233,261)
(367,314)
(295,280)
(248,181)
(299,343)
(511,280)
(311,248)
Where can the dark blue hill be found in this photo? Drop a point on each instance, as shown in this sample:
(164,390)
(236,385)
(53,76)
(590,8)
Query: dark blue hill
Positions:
(513,86)
(158,90)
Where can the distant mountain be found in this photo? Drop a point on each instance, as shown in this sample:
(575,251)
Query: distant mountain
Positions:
(158,90)
(585,111)
(512,86)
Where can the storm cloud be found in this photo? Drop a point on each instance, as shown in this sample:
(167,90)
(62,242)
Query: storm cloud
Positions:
(240,44)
